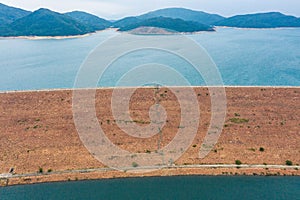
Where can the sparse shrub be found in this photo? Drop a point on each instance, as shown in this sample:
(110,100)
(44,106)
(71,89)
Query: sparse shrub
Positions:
(134,164)
(261,149)
(237,114)
(239,120)
(49,170)
(41,170)
(148,151)
(238,162)
(194,145)
(288,162)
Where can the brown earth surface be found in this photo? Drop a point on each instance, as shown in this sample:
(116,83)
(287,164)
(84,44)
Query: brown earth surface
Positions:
(37,131)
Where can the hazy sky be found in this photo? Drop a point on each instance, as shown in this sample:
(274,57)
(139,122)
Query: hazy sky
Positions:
(114,9)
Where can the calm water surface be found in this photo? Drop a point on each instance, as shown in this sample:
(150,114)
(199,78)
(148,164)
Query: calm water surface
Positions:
(186,187)
(244,57)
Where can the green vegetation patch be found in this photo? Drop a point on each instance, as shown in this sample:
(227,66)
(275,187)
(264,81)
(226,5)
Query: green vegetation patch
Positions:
(239,120)
(238,162)
(288,162)
(134,164)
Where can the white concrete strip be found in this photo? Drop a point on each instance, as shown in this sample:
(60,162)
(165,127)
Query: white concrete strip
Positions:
(5,176)
(149,87)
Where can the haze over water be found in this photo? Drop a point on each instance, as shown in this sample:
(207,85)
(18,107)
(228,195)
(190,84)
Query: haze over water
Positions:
(243,57)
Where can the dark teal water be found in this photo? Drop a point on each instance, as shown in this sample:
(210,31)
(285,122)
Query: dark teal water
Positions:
(181,187)
(243,57)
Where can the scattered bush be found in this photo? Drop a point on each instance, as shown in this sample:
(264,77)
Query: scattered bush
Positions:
(238,162)
(49,170)
(41,170)
(237,114)
(239,120)
(194,145)
(134,164)
(261,149)
(148,151)
(288,162)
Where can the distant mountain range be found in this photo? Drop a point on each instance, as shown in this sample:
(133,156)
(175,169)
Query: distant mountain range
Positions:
(184,14)
(92,21)
(260,20)
(177,25)
(10,14)
(44,22)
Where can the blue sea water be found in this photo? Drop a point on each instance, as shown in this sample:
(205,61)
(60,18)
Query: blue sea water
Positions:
(180,187)
(244,58)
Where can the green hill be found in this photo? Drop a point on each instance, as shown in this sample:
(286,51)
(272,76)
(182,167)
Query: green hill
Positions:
(93,21)
(9,14)
(184,14)
(126,22)
(261,20)
(177,25)
(44,22)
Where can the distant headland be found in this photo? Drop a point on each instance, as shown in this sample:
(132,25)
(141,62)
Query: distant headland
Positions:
(16,22)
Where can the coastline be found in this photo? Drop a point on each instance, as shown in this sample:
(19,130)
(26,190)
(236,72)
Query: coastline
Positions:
(54,37)
(144,87)
(50,178)
(50,140)
(240,28)
(47,37)
(115,29)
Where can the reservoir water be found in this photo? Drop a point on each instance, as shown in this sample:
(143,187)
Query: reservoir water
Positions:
(181,187)
(243,57)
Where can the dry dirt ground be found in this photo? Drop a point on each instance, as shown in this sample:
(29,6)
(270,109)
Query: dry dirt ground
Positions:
(37,131)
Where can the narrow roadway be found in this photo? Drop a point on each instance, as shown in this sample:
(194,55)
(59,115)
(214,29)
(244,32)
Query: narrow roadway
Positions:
(147,168)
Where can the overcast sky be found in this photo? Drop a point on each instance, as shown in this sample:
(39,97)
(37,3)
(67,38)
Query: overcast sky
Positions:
(114,9)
